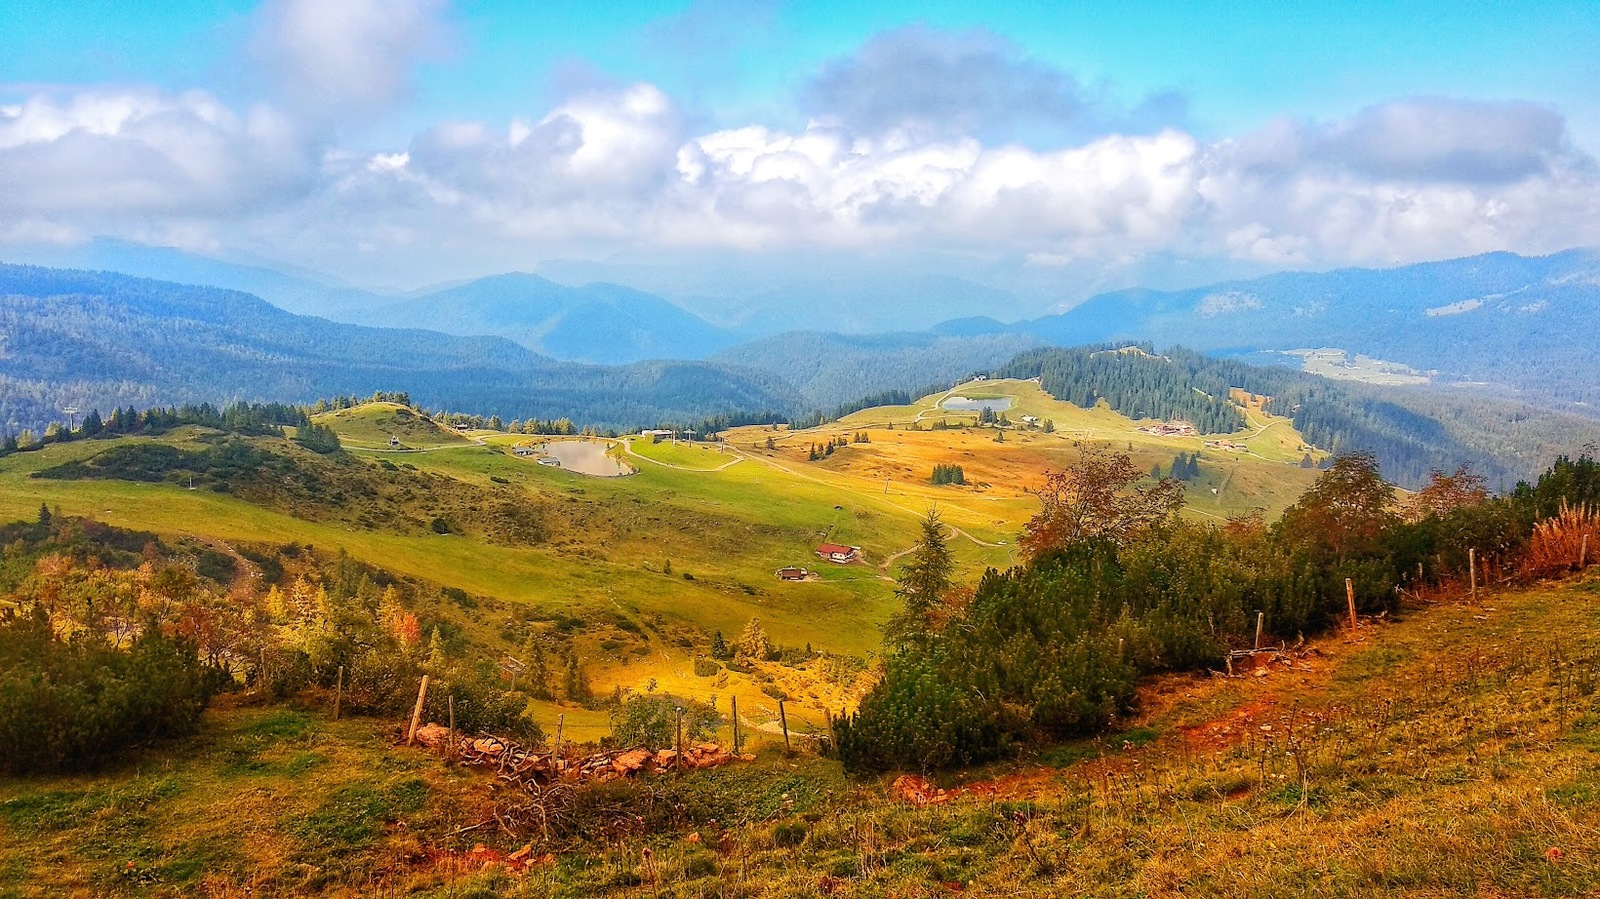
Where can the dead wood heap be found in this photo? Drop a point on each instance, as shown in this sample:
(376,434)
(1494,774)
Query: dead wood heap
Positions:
(520,764)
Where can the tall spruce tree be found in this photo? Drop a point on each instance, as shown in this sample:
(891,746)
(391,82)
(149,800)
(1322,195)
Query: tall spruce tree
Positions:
(923,582)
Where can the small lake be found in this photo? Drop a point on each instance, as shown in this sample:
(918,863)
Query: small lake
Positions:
(963,404)
(586,457)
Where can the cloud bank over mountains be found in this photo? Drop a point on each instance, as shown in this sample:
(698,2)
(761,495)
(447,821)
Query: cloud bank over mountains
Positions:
(956,142)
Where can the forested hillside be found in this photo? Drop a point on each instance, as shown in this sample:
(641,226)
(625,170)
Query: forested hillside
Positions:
(102,340)
(1134,382)
(831,369)
(1411,432)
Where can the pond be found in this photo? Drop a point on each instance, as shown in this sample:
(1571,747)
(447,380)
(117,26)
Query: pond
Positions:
(964,404)
(586,457)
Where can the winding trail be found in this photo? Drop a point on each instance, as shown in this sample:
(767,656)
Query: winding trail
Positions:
(628,444)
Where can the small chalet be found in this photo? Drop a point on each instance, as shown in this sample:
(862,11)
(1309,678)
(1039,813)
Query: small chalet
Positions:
(522,452)
(839,555)
(656,435)
(393,441)
(792,574)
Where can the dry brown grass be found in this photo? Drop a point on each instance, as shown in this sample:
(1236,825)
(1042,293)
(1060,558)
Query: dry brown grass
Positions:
(1563,543)
(1454,752)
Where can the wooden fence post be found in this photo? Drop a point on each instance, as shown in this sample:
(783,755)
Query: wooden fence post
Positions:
(451,701)
(677,759)
(338,693)
(735,725)
(1583,553)
(1350,600)
(783,719)
(1472,571)
(555,757)
(416,713)
(1261,619)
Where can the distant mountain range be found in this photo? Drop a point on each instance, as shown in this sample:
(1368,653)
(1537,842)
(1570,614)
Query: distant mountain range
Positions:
(1530,324)
(1523,326)
(99,340)
(594,323)
(601,323)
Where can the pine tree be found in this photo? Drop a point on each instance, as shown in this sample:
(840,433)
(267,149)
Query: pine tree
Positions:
(923,582)
(538,670)
(719,647)
(436,661)
(576,684)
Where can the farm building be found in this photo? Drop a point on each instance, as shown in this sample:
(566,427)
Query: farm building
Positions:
(839,555)
(523,452)
(657,435)
(792,574)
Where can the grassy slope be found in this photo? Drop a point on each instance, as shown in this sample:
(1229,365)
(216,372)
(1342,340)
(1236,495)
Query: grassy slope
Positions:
(726,518)
(1454,752)
(373,424)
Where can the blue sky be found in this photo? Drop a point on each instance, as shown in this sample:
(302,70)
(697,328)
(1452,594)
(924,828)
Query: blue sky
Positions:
(1240,64)
(424,139)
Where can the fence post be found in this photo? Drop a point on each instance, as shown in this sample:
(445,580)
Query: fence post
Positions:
(677,760)
(1261,618)
(338,693)
(451,700)
(1350,600)
(1583,553)
(416,713)
(1472,571)
(555,757)
(783,719)
(735,725)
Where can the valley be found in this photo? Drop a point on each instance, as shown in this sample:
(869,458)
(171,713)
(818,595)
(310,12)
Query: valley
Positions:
(685,547)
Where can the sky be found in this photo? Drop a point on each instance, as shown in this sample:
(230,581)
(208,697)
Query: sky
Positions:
(405,142)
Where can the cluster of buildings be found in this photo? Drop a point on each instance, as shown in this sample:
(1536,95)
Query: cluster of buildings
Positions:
(1170,429)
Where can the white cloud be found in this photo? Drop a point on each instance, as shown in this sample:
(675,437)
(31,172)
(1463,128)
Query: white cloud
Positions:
(347,57)
(616,170)
(120,153)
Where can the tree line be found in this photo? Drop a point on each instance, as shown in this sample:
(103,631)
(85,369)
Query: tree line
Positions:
(1115,585)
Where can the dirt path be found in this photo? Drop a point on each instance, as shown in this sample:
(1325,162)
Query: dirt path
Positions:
(628,444)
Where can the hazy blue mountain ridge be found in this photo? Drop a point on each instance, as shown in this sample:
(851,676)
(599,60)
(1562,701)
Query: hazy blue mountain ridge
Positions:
(95,340)
(1528,323)
(593,323)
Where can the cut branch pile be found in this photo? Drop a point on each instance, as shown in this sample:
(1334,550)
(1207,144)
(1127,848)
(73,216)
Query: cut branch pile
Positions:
(522,765)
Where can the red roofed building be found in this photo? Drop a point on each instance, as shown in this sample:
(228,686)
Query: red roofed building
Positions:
(839,555)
